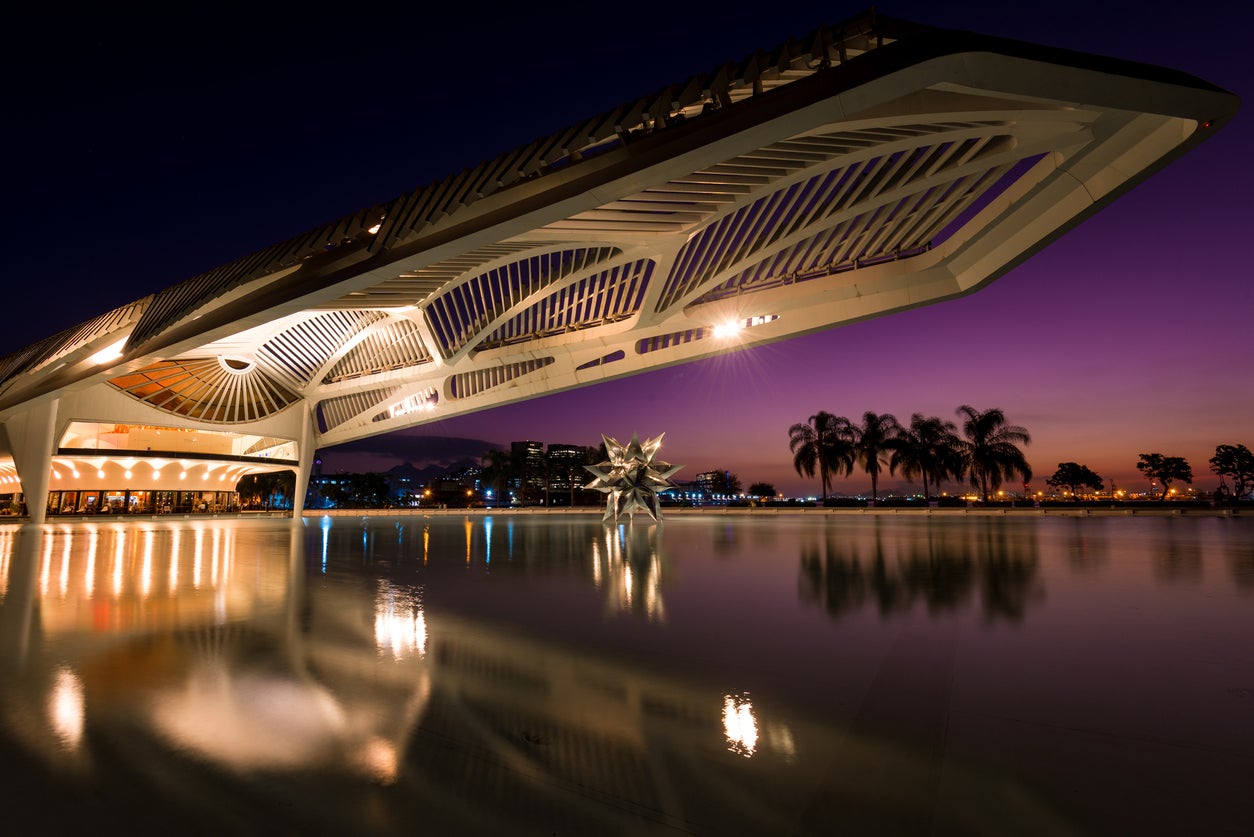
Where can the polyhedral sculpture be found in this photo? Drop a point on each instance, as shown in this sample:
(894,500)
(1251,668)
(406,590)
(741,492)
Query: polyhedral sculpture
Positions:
(632,477)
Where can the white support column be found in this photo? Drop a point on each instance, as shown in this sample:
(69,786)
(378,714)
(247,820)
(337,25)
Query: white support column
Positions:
(32,434)
(305,452)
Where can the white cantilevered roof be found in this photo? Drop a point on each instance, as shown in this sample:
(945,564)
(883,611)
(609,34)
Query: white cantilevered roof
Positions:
(869,167)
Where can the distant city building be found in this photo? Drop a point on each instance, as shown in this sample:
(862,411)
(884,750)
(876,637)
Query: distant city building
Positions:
(528,459)
(566,467)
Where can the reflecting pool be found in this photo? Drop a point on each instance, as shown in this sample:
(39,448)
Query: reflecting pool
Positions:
(714,674)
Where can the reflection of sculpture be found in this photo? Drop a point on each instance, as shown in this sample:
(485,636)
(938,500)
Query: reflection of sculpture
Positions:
(631,477)
(632,567)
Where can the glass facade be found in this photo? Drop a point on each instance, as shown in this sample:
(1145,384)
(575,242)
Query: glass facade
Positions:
(135,501)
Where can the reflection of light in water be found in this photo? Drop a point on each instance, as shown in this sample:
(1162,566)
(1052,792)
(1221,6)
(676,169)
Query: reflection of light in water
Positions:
(399,623)
(378,759)
(65,707)
(326,534)
(174,561)
(250,719)
(213,558)
(468,534)
(653,592)
(596,565)
(89,574)
(739,725)
(65,564)
(780,739)
(426,542)
(145,574)
(624,571)
(487,535)
(198,557)
(6,552)
(119,550)
(45,567)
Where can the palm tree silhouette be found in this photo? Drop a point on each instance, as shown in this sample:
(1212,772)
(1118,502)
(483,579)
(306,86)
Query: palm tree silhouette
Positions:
(990,453)
(822,444)
(928,448)
(497,470)
(876,437)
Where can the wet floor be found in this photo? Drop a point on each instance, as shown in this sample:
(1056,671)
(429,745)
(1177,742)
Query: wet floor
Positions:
(551,675)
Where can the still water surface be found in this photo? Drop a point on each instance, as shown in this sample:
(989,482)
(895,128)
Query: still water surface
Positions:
(513,674)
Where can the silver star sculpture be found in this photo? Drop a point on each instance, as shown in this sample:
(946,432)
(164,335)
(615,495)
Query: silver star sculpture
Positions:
(632,477)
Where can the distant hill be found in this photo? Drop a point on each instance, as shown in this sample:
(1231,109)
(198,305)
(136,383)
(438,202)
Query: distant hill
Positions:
(421,476)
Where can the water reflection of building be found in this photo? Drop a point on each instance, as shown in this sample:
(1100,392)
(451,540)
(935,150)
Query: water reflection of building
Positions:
(249,669)
(335,705)
(625,562)
(942,566)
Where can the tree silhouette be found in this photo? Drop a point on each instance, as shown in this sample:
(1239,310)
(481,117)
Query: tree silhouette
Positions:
(990,453)
(873,440)
(1237,462)
(822,444)
(497,470)
(1073,476)
(762,489)
(928,448)
(1165,469)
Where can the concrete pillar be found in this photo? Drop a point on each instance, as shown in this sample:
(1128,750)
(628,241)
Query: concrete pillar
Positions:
(305,449)
(32,435)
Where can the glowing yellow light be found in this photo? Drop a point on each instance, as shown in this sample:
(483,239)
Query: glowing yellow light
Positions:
(379,759)
(400,633)
(108,353)
(100,473)
(126,474)
(375,229)
(65,708)
(739,725)
(727,329)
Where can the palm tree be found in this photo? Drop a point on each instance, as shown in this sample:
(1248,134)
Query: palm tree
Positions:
(496,471)
(928,448)
(876,437)
(991,452)
(822,444)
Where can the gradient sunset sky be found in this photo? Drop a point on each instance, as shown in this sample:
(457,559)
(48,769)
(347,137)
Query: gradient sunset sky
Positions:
(144,150)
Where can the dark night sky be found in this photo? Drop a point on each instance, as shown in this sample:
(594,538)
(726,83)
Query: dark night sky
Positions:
(141,150)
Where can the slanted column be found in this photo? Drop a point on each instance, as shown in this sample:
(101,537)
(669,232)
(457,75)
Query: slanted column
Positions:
(305,452)
(32,434)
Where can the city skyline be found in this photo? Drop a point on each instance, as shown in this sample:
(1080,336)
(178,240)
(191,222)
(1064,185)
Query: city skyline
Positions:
(1126,336)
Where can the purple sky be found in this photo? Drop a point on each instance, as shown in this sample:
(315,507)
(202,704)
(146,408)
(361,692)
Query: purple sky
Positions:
(145,150)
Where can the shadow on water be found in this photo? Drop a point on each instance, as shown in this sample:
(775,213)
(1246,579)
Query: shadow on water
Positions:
(943,567)
(1177,556)
(1242,563)
(1086,546)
